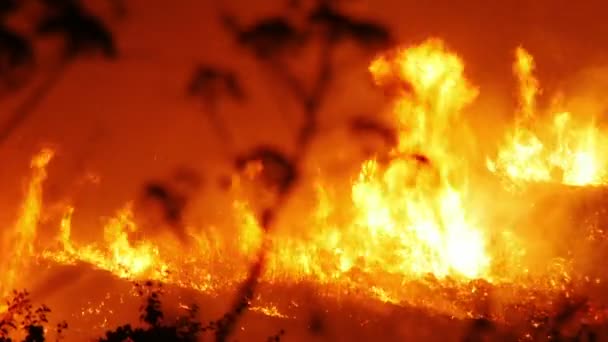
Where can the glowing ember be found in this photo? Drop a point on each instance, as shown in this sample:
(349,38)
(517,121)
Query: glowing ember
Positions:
(556,147)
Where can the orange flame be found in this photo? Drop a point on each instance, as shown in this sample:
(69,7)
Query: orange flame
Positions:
(118,255)
(559,148)
(407,217)
(18,244)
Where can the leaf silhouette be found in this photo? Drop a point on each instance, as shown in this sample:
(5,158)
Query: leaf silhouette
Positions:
(210,83)
(267,38)
(16,53)
(277,169)
(340,26)
(82,31)
(173,204)
(8,6)
(365,125)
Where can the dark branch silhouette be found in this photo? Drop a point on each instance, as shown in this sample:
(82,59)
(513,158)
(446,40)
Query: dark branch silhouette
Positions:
(269,40)
(278,172)
(366,125)
(212,84)
(339,26)
(82,33)
(16,53)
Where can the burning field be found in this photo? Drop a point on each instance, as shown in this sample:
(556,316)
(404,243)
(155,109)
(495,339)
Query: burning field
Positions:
(428,231)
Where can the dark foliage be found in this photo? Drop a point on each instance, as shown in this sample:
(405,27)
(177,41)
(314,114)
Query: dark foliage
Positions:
(172,196)
(212,84)
(225,326)
(566,323)
(366,125)
(209,83)
(16,52)
(184,329)
(21,316)
(268,40)
(278,171)
(172,203)
(7,7)
(339,26)
(83,32)
(268,37)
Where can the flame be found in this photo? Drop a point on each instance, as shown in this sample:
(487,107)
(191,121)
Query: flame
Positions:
(406,218)
(529,86)
(418,198)
(559,147)
(117,255)
(409,217)
(19,242)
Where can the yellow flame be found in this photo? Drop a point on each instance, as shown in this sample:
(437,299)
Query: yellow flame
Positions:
(529,86)
(559,147)
(414,201)
(117,255)
(406,219)
(19,242)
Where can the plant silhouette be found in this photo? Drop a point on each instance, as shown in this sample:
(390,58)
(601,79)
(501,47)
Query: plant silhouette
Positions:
(16,51)
(23,318)
(155,329)
(83,33)
(270,40)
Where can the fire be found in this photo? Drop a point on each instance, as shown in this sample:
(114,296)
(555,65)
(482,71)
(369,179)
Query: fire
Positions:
(553,147)
(410,217)
(417,199)
(117,255)
(18,243)
(407,217)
